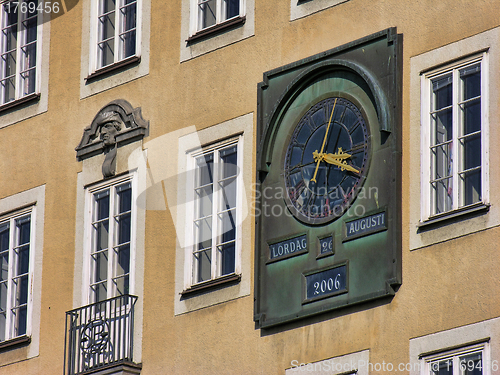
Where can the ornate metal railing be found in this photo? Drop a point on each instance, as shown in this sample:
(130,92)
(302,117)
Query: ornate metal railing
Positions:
(99,335)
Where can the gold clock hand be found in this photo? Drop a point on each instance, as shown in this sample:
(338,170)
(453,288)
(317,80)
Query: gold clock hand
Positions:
(341,154)
(332,159)
(324,142)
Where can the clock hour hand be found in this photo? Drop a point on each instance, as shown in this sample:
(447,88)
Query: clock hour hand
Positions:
(340,161)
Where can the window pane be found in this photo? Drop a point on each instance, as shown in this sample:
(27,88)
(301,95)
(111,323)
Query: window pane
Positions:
(128,44)
(9,64)
(229,161)
(30,26)
(471,364)
(99,292)
(443,161)
(232,8)
(8,90)
(204,196)
(23,227)
(228,194)
(203,264)
(442,367)
(442,89)
(107,26)
(205,167)
(100,266)
(472,151)
(28,81)
(472,187)
(124,197)
(124,228)
(4,236)
(28,56)
(101,235)
(128,17)
(123,264)
(472,116)
(9,38)
(471,79)
(20,319)
(102,205)
(207,13)
(106,48)
(128,25)
(31,6)
(107,6)
(3,311)
(23,260)
(227,258)
(443,195)
(228,226)
(122,285)
(20,291)
(4,265)
(203,229)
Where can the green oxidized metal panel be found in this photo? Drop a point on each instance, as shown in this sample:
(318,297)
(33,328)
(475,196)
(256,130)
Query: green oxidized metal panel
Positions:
(308,266)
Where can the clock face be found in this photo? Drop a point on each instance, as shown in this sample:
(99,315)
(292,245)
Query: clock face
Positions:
(326,161)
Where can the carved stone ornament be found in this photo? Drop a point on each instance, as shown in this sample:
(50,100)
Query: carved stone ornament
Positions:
(115,125)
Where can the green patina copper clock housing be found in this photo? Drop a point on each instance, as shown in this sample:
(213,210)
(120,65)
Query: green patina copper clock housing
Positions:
(328,199)
(326,160)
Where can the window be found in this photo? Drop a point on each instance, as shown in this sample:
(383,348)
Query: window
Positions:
(231,21)
(111,240)
(18,49)
(117,28)
(215,225)
(454,149)
(213,12)
(16,261)
(304,8)
(468,361)
(209,208)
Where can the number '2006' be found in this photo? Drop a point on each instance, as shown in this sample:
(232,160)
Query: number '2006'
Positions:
(328,285)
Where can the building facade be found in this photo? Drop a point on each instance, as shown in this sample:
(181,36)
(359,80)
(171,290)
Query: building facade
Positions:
(249,187)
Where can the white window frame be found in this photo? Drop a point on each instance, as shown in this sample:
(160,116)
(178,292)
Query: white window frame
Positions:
(13,244)
(427,196)
(196,15)
(21,42)
(191,209)
(89,202)
(429,362)
(94,65)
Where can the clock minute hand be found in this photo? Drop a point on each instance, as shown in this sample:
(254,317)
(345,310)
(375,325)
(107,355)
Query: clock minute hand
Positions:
(335,160)
(324,142)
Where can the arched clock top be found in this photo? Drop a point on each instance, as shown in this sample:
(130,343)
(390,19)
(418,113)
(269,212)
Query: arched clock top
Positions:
(365,80)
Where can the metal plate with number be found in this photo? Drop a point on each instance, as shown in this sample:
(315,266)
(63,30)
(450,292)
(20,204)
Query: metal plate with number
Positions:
(327,283)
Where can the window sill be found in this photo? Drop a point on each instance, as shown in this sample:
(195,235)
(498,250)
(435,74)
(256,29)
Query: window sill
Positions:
(210,285)
(216,29)
(113,67)
(15,342)
(454,216)
(18,102)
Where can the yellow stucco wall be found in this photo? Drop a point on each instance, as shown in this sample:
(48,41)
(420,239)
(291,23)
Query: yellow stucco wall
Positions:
(446,285)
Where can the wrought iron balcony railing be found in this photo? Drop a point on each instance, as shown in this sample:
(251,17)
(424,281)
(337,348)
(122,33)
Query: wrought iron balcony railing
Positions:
(99,335)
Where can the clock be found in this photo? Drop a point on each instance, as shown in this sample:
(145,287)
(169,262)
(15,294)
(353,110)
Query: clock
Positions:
(326,160)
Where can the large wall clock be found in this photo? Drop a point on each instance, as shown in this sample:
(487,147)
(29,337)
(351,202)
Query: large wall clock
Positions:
(326,160)
(328,204)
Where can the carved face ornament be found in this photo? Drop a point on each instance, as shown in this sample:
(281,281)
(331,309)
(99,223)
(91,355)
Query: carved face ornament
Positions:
(110,125)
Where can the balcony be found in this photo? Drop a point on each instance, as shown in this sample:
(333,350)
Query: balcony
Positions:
(99,338)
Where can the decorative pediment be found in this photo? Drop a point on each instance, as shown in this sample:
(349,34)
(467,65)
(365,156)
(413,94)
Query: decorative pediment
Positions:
(116,124)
